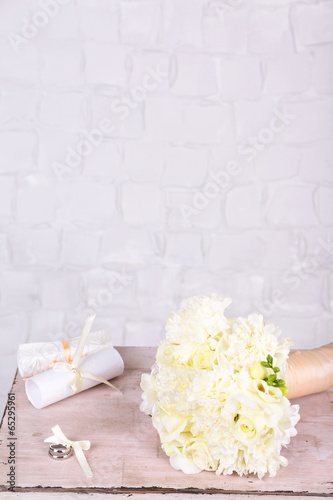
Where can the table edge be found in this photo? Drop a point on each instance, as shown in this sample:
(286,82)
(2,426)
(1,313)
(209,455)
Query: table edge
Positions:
(164,491)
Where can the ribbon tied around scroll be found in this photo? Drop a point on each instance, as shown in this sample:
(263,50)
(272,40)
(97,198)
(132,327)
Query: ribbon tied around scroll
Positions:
(73,366)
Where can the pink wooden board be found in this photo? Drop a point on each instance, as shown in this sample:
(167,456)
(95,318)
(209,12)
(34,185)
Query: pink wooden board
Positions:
(126,452)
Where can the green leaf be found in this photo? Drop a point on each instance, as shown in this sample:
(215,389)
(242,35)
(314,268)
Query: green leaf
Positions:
(279,382)
(276,369)
(271,378)
(264,363)
(269,359)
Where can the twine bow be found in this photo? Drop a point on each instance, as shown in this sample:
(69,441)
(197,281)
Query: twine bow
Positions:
(78,447)
(72,366)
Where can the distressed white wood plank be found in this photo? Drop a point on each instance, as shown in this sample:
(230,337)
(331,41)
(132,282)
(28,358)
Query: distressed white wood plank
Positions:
(155,496)
(126,452)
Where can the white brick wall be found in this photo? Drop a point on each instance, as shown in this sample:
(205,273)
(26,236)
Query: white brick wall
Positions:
(144,104)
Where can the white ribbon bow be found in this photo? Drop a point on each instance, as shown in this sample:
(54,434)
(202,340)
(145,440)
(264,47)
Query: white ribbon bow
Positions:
(76,383)
(78,447)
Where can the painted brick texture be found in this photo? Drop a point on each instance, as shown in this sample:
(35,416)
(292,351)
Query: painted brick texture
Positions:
(152,150)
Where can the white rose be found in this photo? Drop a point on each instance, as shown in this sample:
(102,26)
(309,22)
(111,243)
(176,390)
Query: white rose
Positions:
(166,354)
(170,424)
(171,447)
(201,357)
(247,430)
(199,454)
(194,457)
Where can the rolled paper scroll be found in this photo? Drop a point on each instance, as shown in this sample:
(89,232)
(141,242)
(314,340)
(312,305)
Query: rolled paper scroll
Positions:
(52,386)
(310,371)
(38,357)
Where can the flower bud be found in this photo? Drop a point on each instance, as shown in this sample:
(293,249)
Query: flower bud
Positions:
(258,372)
(284,390)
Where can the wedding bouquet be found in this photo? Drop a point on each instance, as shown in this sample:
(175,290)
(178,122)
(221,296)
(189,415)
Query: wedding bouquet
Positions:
(217,392)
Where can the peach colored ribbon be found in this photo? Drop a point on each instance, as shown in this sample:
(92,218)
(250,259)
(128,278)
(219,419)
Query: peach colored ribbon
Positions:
(72,366)
(67,351)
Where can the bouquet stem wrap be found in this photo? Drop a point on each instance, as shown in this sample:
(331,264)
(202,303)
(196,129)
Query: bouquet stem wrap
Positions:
(310,371)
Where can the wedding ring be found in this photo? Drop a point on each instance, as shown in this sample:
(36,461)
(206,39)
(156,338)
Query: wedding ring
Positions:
(60,451)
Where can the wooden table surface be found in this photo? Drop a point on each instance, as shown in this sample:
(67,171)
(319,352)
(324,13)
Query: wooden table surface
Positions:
(126,456)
